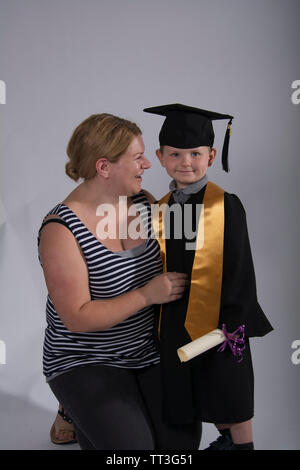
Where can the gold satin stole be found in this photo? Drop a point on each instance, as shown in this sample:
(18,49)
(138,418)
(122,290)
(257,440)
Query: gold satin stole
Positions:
(206,280)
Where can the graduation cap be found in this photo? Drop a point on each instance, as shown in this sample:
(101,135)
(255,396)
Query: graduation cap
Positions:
(188,127)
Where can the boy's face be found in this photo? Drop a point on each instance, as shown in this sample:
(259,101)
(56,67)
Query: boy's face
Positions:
(186,166)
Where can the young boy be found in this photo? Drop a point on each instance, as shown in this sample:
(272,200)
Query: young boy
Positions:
(216,386)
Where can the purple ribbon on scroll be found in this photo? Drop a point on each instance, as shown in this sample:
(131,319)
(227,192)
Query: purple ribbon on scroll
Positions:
(235,340)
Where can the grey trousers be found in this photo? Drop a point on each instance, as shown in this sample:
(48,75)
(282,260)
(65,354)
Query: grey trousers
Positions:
(120,409)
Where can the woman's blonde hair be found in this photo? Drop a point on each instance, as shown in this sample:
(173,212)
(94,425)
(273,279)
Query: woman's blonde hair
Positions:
(100,135)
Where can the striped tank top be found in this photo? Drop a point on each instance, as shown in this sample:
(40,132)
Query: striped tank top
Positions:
(129,344)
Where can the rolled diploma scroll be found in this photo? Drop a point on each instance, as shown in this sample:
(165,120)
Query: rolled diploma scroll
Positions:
(200,345)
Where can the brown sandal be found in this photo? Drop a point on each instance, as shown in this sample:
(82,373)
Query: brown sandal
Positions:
(54,440)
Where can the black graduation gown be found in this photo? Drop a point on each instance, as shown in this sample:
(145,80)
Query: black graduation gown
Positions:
(212,387)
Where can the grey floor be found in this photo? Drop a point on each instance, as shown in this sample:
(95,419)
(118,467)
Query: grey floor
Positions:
(25,426)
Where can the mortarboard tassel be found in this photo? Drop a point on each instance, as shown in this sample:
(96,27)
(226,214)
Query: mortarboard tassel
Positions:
(225,147)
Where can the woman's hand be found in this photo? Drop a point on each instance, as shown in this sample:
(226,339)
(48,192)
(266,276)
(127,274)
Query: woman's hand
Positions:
(165,288)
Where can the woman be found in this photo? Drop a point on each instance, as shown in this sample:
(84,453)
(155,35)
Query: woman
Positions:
(103,276)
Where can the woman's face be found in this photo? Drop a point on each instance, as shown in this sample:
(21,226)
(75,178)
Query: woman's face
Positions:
(128,170)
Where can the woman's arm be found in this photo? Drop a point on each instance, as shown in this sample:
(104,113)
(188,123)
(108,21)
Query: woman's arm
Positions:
(66,277)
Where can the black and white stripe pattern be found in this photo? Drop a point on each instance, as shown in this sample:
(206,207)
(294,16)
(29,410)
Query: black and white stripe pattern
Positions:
(129,344)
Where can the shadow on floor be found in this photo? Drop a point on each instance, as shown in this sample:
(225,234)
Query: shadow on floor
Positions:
(25,426)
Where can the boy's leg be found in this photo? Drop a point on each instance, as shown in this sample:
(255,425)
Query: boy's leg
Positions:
(224,441)
(236,436)
(106,407)
(178,437)
(242,432)
(220,427)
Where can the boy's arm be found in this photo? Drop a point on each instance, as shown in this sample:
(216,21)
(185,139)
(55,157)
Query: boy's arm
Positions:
(239,304)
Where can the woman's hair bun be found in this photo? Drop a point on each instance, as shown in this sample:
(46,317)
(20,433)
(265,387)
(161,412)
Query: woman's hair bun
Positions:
(72,171)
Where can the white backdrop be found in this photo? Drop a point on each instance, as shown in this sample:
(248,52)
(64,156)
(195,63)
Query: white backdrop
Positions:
(62,60)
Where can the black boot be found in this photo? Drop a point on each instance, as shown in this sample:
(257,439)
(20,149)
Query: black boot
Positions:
(224,442)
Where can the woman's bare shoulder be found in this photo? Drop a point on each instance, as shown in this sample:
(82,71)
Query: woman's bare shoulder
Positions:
(149,196)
